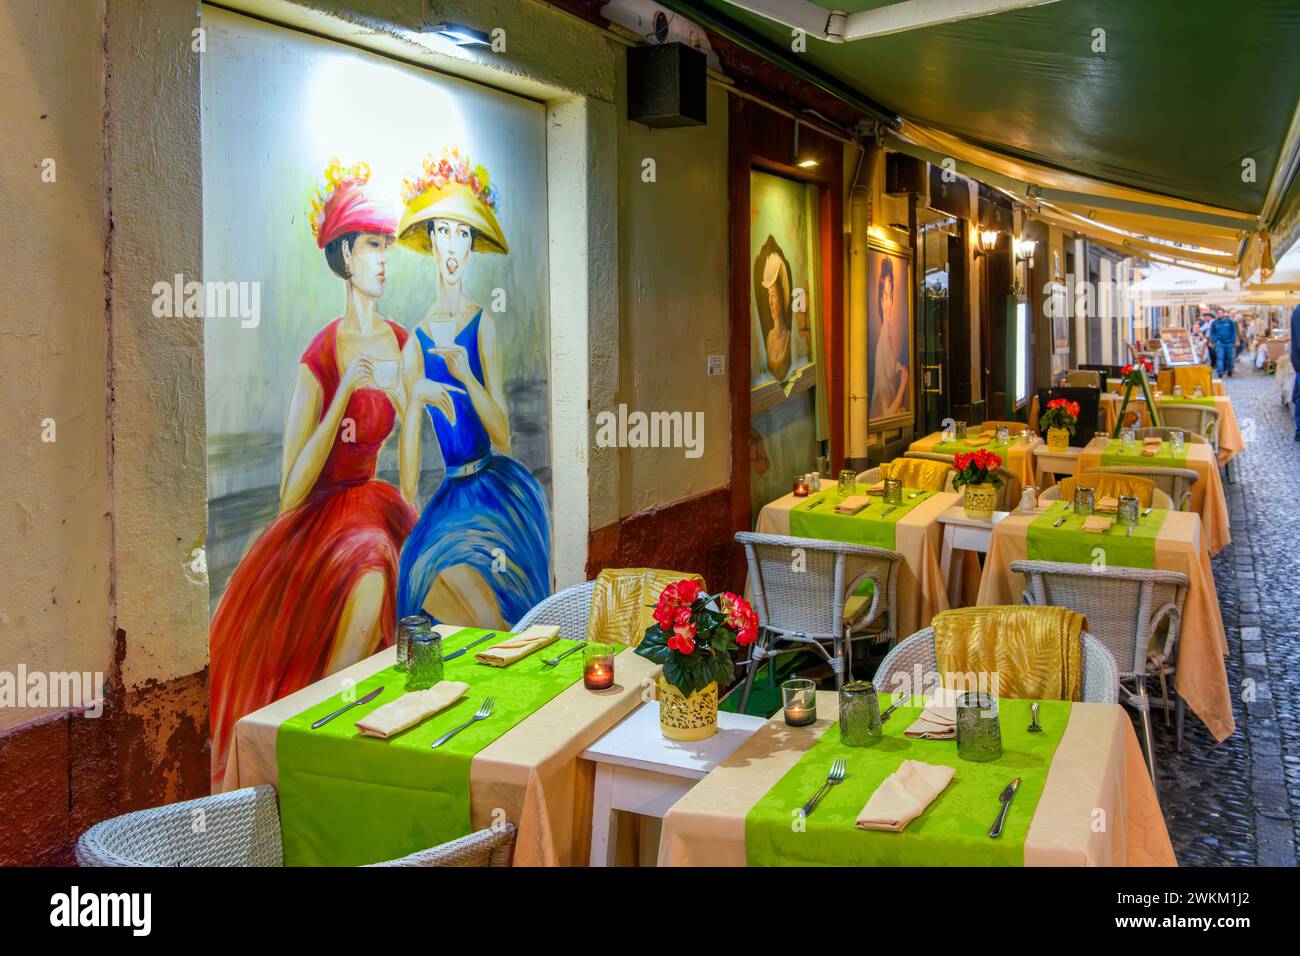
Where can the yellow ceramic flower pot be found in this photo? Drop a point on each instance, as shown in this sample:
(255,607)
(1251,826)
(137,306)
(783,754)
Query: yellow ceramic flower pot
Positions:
(980,501)
(1058,439)
(687,718)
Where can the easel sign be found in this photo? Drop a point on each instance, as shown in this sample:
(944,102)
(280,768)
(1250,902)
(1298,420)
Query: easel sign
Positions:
(1178,348)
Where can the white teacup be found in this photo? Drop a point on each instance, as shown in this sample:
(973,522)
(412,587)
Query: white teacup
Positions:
(385,372)
(443,333)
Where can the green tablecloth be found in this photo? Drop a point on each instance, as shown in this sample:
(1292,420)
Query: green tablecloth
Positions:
(953,831)
(1071,544)
(998,448)
(347,799)
(817,518)
(1116,454)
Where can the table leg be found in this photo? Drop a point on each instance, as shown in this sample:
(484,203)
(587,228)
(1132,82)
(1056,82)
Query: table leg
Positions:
(604,830)
(951,577)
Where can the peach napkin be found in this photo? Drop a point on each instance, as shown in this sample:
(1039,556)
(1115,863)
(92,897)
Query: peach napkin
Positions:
(1108,505)
(877,489)
(409,709)
(976,442)
(521,645)
(934,723)
(904,795)
(852,504)
(1096,524)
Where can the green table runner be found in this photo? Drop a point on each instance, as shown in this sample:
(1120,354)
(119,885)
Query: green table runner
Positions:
(1069,543)
(348,799)
(1116,454)
(998,448)
(953,831)
(817,518)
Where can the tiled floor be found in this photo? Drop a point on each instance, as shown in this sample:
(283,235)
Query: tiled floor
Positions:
(1238,802)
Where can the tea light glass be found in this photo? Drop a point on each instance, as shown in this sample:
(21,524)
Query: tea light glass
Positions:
(1127,510)
(800,489)
(893,491)
(424,665)
(598,666)
(979,732)
(799,698)
(859,714)
(1085,501)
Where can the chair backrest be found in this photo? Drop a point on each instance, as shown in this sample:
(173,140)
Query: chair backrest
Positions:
(1081,378)
(1124,606)
(915,657)
(569,608)
(1107,371)
(1175,482)
(1089,400)
(994,423)
(1196,419)
(1158,498)
(1166,432)
(1188,376)
(801,585)
(935,456)
(1109,484)
(918,472)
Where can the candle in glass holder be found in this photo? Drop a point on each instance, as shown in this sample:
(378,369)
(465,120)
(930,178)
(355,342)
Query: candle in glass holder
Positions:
(598,666)
(800,486)
(800,699)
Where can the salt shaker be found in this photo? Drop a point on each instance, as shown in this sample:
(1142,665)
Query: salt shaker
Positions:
(1028,499)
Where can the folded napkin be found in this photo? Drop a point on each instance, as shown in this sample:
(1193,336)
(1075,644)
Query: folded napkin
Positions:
(1150,451)
(852,504)
(1107,505)
(409,709)
(904,795)
(1152,440)
(1096,524)
(935,723)
(521,645)
(976,442)
(877,489)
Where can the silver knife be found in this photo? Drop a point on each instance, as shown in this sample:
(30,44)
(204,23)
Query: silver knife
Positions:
(346,707)
(893,707)
(889,511)
(1008,792)
(455,654)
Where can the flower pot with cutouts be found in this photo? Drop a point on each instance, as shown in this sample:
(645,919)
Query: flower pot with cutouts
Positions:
(977,472)
(693,637)
(1059,421)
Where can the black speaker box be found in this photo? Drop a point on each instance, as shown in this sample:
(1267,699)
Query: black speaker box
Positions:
(904,174)
(666,85)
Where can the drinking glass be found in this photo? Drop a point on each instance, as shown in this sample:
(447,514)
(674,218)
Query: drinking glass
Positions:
(1128,438)
(979,733)
(848,483)
(1003,433)
(1199,392)
(960,430)
(799,697)
(1127,511)
(1176,441)
(814,481)
(859,714)
(1178,391)
(406,627)
(893,491)
(424,665)
(1085,501)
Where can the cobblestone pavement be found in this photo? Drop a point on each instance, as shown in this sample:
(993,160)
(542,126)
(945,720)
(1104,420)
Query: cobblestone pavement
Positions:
(1238,802)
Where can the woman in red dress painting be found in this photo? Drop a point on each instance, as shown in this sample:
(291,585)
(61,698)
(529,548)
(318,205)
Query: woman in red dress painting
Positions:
(316,592)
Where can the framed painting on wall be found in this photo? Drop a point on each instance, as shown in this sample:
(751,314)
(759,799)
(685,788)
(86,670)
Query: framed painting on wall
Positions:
(889,335)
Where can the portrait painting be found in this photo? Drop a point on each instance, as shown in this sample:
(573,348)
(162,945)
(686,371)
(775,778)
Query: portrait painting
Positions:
(889,336)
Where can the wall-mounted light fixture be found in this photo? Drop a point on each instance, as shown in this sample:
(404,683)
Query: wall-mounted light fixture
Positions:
(1025,249)
(986,242)
(802,158)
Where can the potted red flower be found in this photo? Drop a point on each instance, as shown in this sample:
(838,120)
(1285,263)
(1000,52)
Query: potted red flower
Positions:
(693,636)
(1059,420)
(977,472)
(1134,377)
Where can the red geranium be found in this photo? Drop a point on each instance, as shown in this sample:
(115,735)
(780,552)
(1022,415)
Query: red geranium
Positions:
(976,468)
(1060,413)
(695,633)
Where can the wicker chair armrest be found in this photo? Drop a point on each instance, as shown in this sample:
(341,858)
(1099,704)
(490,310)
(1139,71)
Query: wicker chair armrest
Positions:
(492,846)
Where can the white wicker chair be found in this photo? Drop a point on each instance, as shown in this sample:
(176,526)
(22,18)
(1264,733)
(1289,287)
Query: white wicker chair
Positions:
(568,608)
(1125,608)
(1165,432)
(1158,498)
(1174,482)
(242,828)
(806,607)
(1196,419)
(899,668)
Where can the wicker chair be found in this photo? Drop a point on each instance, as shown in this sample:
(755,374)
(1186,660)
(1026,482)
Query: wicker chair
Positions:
(1125,608)
(1077,378)
(568,608)
(1194,419)
(1174,482)
(805,603)
(1158,498)
(1166,433)
(899,668)
(873,475)
(242,828)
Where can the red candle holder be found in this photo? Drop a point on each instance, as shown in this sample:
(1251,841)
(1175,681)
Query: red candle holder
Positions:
(801,486)
(598,666)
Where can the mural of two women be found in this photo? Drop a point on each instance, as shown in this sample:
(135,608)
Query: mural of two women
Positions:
(325,583)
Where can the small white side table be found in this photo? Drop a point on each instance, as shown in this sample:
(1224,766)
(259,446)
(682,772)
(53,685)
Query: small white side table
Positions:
(963,534)
(641,771)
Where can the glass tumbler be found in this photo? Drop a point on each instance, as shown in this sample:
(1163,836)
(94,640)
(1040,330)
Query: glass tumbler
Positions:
(407,626)
(960,430)
(848,483)
(1176,441)
(799,699)
(859,714)
(893,491)
(979,733)
(1128,438)
(424,666)
(1085,501)
(1127,511)
(1003,433)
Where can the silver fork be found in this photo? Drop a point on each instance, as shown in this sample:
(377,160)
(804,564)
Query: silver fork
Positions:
(837,774)
(483,713)
(554,662)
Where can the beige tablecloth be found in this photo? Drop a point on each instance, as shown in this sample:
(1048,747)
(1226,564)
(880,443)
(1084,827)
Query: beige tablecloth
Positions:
(1202,678)
(1216,386)
(918,537)
(531,772)
(1098,766)
(1017,458)
(1231,441)
(1208,498)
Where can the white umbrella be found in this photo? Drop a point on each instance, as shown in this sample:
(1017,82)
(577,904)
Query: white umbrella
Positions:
(1178,286)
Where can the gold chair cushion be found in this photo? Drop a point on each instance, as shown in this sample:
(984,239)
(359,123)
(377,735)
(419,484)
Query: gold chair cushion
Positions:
(1034,652)
(623,602)
(1109,485)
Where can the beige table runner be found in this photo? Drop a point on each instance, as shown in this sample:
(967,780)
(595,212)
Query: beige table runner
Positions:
(1202,677)
(918,537)
(1231,441)
(1098,767)
(531,774)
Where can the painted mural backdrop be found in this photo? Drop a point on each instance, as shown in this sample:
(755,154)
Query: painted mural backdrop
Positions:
(378,432)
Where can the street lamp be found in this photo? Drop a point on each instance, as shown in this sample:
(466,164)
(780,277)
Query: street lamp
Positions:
(987,242)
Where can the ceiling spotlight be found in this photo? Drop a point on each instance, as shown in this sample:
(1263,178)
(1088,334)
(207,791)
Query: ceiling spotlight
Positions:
(802,158)
(458,34)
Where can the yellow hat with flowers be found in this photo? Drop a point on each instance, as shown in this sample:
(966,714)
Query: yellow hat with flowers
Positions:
(448,187)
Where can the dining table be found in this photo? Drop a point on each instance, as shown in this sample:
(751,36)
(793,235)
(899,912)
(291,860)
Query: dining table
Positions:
(1209,500)
(1017,454)
(1165,541)
(350,799)
(913,530)
(1084,796)
(1231,441)
(1216,386)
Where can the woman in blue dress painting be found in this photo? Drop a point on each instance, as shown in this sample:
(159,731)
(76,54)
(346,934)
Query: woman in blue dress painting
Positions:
(481,552)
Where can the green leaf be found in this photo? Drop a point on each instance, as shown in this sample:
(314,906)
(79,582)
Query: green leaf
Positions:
(654,646)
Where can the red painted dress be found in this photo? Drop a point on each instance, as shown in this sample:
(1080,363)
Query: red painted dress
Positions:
(274,629)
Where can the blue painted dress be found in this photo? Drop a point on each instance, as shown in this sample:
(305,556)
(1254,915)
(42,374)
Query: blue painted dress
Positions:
(489,508)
